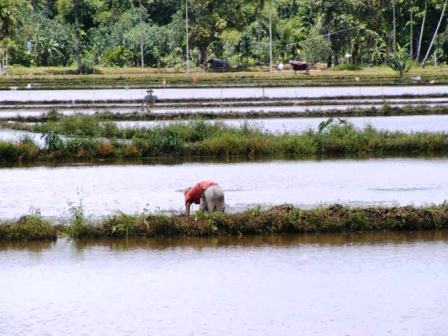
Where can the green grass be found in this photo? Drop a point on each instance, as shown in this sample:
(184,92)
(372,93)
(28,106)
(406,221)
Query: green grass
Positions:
(58,78)
(30,228)
(278,220)
(216,140)
(54,116)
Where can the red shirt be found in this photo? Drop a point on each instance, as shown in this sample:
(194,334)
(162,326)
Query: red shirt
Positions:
(194,194)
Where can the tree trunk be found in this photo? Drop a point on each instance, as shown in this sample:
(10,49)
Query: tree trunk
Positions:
(202,55)
(142,54)
(411,38)
(270,36)
(187,52)
(419,48)
(142,48)
(435,33)
(394,27)
(77,46)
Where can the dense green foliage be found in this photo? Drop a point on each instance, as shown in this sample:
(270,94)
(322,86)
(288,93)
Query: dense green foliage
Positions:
(279,220)
(152,32)
(91,140)
(31,227)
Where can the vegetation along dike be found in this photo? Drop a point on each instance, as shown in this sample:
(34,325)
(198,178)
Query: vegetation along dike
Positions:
(285,214)
(83,138)
(256,221)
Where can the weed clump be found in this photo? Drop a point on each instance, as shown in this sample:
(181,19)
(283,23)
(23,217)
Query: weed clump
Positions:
(30,228)
(284,219)
(216,140)
(79,226)
(280,220)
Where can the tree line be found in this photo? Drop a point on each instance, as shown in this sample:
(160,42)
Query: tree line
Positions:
(153,32)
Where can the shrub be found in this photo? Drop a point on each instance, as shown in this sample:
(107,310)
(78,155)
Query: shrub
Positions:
(31,227)
(118,56)
(348,67)
(9,151)
(122,225)
(79,226)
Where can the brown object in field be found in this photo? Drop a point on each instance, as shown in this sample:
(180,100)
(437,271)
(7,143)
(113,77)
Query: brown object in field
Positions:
(300,66)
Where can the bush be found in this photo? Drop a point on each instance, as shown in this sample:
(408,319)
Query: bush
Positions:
(348,67)
(118,56)
(29,150)
(400,62)
(122,225)
(9,152)
(31,227)
(79,226)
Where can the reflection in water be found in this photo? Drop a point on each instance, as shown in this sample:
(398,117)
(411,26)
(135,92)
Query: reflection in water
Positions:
(364,284)
(280,241)
(34,246)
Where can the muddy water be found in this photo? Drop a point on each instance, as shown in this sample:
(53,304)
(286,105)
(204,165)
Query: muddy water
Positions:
(226,93)
(406,124)
(133,188)
(321,285)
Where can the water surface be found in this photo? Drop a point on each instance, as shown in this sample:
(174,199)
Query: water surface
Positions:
(133,188)
(224,93)
(405,124)
(298,285)
(15,136)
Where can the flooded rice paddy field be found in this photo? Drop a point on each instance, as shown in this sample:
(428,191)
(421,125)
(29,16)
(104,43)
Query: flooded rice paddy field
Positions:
(223,93)
(405,124)
(6,113)
(134,188)
(15,136)
(310,285)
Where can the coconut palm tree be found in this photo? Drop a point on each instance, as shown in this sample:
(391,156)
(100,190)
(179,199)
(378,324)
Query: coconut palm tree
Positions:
(7,20)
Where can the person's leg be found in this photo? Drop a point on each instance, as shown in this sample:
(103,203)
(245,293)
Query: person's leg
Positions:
(215,198)
(203,205)
(208,199)
(219,199)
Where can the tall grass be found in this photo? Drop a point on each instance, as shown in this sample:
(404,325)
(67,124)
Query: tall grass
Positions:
(79,226)
(284,219)
(31,227)
(199,138)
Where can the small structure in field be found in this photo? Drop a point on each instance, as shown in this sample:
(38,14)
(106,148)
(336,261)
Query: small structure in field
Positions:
(300,66)
(150,97)
(218,65)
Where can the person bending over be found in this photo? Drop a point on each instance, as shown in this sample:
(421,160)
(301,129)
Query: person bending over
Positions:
(206,193)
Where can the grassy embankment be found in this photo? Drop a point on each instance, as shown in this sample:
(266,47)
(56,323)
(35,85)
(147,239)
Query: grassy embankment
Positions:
(209,140)
(279,220)
(64,78)
(385,110)
(31,227)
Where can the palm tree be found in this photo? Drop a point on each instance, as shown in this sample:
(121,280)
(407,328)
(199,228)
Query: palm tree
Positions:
(435,33)
(7,20)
